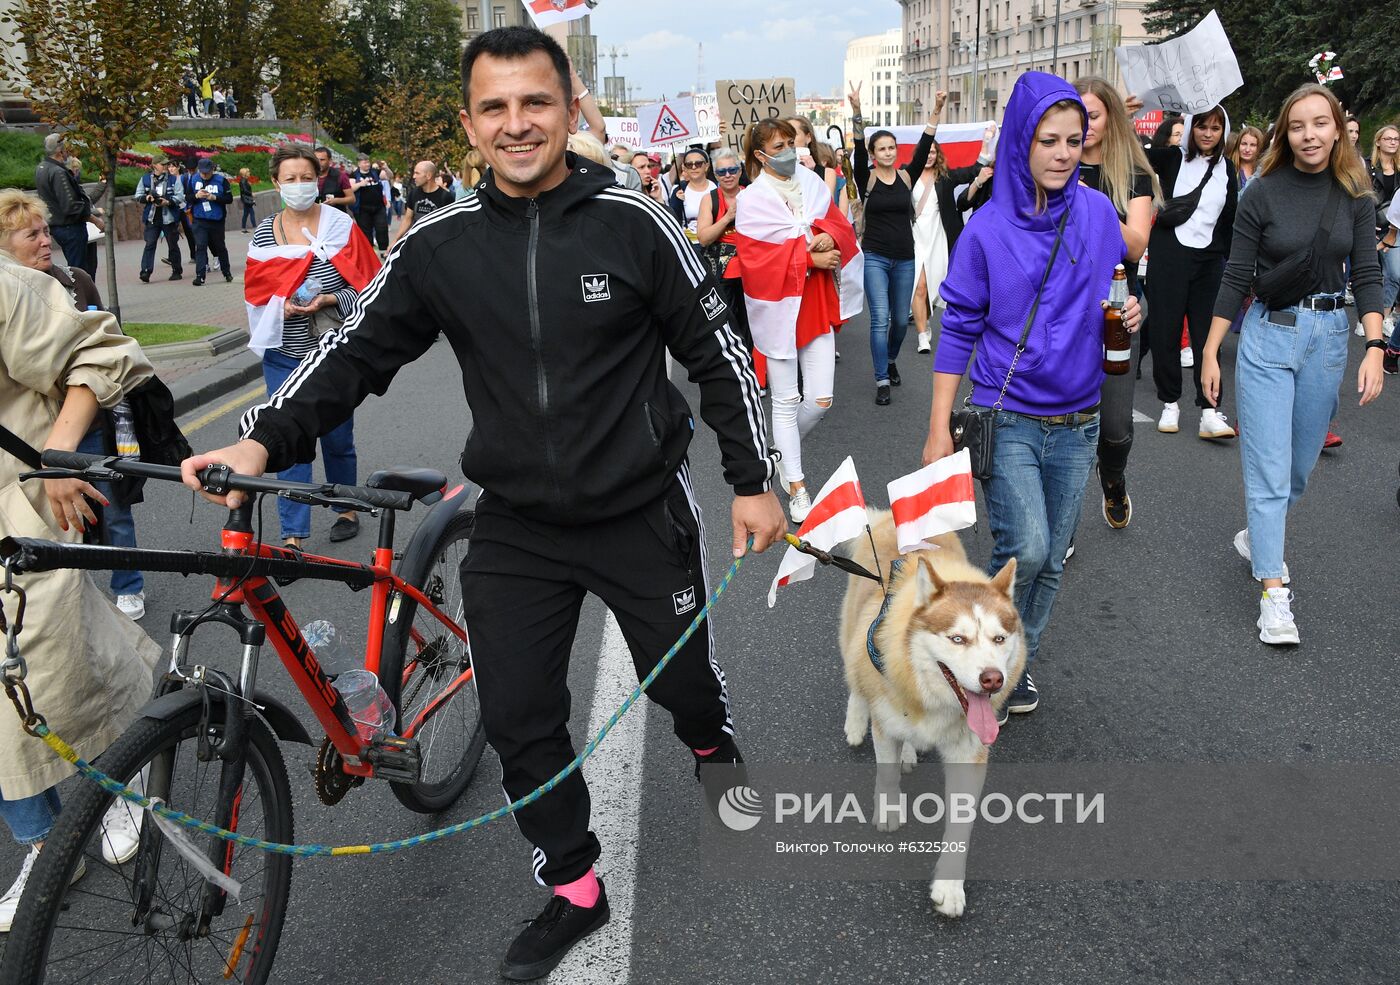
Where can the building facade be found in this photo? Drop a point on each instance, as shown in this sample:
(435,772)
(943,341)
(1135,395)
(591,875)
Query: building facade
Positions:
(976,54)
(876,62)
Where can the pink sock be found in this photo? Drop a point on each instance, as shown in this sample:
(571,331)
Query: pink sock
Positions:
(582,891)
(704,752)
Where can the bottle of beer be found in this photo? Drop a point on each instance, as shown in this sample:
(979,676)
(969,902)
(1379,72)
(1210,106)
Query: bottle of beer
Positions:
(1117,346)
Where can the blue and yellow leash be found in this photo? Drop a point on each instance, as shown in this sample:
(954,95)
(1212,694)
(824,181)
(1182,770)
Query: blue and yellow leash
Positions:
(64,750)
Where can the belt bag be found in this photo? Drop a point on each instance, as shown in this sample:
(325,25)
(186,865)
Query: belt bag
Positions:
(1293,279)
(974,428)
(1181,208)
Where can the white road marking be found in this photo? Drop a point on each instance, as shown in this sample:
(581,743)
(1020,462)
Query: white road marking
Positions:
(1140,418)
(615,783)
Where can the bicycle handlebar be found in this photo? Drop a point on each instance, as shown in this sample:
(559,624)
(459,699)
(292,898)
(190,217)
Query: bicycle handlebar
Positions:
(217,479)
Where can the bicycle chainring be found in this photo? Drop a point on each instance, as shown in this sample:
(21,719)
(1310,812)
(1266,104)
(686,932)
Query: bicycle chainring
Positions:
(332,782)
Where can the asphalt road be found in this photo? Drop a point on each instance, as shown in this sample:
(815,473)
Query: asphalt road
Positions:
(1152,656)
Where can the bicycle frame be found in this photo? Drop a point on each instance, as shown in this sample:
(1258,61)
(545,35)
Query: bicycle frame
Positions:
(267,608)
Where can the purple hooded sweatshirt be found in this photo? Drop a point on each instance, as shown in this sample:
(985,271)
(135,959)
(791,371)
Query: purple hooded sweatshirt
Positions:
(998,264)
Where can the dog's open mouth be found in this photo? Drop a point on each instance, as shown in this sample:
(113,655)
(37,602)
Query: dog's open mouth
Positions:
(977,706)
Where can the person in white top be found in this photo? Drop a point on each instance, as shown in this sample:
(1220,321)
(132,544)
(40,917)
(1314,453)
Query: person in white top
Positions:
(696,187)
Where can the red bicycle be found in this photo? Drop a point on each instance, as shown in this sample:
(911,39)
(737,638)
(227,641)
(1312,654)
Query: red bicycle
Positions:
(207,742)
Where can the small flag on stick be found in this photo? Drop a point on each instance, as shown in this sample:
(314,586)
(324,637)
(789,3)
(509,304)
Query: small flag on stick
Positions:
(934,500)
(838,515)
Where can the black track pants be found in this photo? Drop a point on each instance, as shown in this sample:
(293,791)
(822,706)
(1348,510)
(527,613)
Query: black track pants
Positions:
(523,583)
(1183,282)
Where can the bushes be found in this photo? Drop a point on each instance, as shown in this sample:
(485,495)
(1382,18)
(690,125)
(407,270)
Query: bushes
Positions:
(256,162)
(20,153)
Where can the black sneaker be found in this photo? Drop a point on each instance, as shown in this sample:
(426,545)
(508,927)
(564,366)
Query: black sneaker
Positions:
(198,281)
(228,278)
(882,394)
(176,276)
(1025,698)
(165,260)
(548,937)
(1117,504)
(1390,362)
(1002,715)
(726,754)
(894,375)
(145,276)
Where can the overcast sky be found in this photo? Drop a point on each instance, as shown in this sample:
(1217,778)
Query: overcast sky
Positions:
(742,38)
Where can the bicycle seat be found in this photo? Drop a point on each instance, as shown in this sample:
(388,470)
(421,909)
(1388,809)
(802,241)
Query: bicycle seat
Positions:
(424,485)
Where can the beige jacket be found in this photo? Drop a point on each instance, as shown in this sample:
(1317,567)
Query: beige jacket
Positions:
(90,667)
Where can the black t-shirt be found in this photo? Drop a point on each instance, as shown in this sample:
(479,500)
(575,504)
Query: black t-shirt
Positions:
(888,229)
(1142,188)
(422,202)
(371,197)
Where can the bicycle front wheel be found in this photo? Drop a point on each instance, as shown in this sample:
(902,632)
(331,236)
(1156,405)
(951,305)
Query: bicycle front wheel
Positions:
(425,670)
(153,917)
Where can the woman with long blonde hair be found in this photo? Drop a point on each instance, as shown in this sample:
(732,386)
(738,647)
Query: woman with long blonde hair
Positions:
(1293,349)
(1385,182)
(1247,152)
(1114,163)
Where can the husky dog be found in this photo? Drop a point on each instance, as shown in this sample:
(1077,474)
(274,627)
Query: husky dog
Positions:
(928,666)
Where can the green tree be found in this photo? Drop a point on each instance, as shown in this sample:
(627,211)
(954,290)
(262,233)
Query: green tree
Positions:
(309,54)
(106,76)
(409,125)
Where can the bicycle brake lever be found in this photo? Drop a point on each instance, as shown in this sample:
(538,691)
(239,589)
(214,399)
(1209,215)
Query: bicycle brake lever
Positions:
(313,499)
(87,475)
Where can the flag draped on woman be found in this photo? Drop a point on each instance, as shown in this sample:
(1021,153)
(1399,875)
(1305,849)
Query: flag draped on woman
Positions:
(274,273)
(773,243)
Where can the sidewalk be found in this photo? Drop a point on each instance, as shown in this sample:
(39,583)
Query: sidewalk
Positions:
(194,380)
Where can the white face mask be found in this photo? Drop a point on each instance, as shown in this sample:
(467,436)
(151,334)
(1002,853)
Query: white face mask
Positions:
(298,195)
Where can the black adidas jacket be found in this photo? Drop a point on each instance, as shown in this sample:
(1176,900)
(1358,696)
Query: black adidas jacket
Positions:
(560,309)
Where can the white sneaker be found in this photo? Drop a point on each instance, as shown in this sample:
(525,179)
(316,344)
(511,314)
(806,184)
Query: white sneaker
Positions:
(1214,426)
(1188,358)
(799,505)
(9,903)
(1387,327)
(1242,548)
(1276,625)
(121,831)
(924,342)
(1169,422)
(132,606)
(1360,330)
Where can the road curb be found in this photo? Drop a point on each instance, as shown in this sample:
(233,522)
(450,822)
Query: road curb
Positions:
(211,345)
(197,389)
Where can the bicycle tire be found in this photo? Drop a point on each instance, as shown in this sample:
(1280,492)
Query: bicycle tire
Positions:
(42,939)
(446,772)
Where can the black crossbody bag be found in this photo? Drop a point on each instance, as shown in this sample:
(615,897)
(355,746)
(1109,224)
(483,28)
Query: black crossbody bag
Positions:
(974,428)
(1178,210)
(1298,276)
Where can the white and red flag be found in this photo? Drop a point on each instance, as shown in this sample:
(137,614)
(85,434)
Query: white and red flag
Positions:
(274,273)
(773,245)
(961,142)
(838,515)
(932,501)
(547,13)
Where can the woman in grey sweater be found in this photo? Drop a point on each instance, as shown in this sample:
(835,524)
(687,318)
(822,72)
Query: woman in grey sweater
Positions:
(1291,357)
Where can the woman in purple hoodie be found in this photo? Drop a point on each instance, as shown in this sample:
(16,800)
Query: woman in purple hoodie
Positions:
(1047,422)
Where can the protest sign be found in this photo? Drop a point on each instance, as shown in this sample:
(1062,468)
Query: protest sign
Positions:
(1146,124)
(1187,74)
(707,115)
(621,130)
(667,122)
(743,102)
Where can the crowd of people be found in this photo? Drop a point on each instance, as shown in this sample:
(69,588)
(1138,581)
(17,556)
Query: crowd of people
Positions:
(752,263)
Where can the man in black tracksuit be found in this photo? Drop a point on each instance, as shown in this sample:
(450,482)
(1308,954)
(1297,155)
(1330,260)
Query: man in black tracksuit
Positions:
(560,294)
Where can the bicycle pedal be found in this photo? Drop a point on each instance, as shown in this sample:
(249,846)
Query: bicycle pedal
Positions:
(396,759)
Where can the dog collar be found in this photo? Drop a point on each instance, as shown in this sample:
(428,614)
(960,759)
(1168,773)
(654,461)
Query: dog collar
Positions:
(876,658)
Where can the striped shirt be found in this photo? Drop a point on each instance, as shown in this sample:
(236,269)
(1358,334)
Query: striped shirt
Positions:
(297,339)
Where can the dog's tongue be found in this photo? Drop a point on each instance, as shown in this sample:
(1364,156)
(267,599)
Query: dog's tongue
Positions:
(981,718)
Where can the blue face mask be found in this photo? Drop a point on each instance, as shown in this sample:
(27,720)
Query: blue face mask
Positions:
(784,164)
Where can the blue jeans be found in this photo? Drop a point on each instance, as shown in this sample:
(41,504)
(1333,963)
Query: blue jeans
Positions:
(1039,471)
(73,242)
(337,447)
(1390,278)
(889,290)
(1286,380)
(30,819)
(250,217)
(118,525)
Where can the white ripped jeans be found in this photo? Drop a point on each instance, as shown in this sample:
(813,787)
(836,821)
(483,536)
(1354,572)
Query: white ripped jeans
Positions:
(796,412)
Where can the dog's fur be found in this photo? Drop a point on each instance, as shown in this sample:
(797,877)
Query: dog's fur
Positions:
(943,610)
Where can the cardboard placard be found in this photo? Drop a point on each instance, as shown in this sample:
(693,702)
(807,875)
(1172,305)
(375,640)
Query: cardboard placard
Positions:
(744,102)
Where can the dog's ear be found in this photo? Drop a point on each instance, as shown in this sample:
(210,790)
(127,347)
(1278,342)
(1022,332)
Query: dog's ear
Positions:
(927,582)
(1005,580)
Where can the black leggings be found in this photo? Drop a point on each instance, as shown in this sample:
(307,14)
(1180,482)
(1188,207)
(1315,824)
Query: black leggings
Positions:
(1182,284)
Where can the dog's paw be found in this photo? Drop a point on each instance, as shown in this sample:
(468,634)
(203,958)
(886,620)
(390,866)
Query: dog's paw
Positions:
(908,758)
(857,721)
(948,896)
(890,820)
